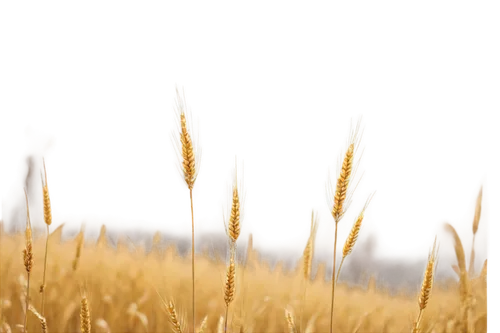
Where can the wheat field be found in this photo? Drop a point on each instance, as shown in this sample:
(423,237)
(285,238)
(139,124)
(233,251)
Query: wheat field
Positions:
(122,284)
(53,284)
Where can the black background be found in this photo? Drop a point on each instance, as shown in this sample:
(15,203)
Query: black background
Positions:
(430,138)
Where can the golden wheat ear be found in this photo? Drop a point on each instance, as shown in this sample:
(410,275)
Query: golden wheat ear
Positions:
(475,226)
(309,249)
(353,235)
(345,175)
(185,141)
(233,226)
(43,321)
(85,322)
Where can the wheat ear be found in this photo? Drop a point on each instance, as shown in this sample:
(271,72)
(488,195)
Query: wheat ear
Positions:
(187,148)
(465,297)
(85,315)
(353,235)
(229,286)
(290,321)
(342,183)
(425,291)
(203,325)
(475,211)
(28,259)
(47,217)
(307,261)
(173,318)
(220,325)
(79,245)
(43,322)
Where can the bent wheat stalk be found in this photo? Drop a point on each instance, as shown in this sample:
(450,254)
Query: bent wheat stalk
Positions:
(341,199)
(187,148)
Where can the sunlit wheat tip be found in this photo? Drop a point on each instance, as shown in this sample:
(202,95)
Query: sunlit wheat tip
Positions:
(47,212)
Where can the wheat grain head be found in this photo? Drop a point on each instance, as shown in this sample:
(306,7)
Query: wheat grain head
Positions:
(353,235)
(43,321)
(185,141)
(173,318)
(345,175)
(229,286)
(290,321)
(47,212)
(233,226)
(85,324)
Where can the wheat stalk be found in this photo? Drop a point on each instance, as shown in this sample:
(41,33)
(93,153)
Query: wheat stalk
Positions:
(425,291)
(233,232)
(187,148)
(27,259)
(47,217)
(341,199)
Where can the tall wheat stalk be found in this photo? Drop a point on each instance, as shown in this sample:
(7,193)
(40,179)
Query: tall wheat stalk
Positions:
(233,231)
(187,148)
(27,259)
(342,197)
(47,217)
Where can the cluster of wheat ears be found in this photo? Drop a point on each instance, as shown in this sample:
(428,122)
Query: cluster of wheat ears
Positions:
(342,184)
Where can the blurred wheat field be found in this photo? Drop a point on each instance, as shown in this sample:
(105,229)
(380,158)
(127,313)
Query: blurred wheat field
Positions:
(124,288)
